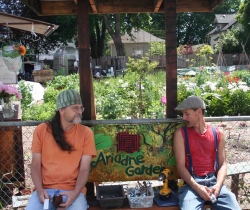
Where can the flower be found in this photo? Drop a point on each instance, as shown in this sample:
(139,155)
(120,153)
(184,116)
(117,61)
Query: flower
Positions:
(8,91)
(22,50)
(163,100)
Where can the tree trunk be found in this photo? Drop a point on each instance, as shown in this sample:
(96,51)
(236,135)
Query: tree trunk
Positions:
(93,46)
(102,39)
(97,38)
(115,34)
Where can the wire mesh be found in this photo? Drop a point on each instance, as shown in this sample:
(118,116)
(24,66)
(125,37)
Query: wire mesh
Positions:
(15,159)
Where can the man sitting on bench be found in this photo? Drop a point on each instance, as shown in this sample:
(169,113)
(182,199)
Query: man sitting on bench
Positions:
(201,160)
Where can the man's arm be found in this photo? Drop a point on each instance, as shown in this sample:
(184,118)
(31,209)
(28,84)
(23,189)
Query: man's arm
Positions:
(36,175)
(179,151)
(221,175)
(81,180)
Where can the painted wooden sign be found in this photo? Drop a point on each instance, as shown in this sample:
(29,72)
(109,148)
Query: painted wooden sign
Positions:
(132,152)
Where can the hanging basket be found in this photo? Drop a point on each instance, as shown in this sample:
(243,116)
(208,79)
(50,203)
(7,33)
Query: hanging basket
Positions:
(11,53)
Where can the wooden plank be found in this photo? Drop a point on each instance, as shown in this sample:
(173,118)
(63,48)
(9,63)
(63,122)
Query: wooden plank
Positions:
(121,6)
(235,185)
(154,207)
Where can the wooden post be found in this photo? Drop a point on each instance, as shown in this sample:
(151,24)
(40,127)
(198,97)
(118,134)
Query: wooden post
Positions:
(171,57)
(85,76)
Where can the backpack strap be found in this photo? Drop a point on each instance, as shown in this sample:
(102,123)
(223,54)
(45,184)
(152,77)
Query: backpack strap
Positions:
(191,170)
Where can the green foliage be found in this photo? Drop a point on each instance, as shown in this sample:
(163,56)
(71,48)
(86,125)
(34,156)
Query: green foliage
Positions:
(243,15)
(157,48)
(203,53)
(141,67)
(201,76)
(59,72)
(46,110)
(121,97)
(244,75)
(39,112)
(26,94)
(230,41)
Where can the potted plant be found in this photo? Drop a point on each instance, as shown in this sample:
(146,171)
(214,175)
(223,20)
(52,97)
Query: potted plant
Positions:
(7,93)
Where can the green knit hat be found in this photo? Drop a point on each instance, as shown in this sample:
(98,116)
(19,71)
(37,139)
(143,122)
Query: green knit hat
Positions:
(67,98)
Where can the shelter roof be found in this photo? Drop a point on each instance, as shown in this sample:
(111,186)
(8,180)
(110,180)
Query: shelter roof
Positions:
(69,7)
(26,24)
(224,18)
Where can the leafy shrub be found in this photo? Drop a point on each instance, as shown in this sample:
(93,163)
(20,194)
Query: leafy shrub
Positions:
(118,97)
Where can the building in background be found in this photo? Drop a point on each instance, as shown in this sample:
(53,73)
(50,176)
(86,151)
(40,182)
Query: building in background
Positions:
(137,45)
(222,23)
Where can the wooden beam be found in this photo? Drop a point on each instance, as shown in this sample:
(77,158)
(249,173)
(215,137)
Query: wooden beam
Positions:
(34,5)
(84,57)
(157,5)
(171,57)
(214,4)
(193,6)
(93,6)
(62,7)
(58,8)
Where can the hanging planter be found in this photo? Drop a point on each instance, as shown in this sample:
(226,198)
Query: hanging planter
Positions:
(12,53)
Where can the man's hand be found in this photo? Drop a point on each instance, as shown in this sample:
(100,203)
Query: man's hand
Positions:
(215,190)
(71,196)
(42,194)
(204,192)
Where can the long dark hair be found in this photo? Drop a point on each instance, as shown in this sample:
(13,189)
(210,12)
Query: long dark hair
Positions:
(58,133)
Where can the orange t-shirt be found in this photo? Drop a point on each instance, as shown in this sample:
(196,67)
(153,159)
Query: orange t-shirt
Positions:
(60,168)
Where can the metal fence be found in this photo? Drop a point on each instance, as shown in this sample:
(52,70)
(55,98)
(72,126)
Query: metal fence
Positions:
(15,157)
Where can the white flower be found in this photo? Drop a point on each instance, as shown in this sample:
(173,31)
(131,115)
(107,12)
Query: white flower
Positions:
(124,85)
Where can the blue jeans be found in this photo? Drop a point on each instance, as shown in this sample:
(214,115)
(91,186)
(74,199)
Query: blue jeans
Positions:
(80,202)
(190,200)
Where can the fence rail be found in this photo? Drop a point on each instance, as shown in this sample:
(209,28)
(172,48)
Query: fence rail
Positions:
(183,61)
(15,156)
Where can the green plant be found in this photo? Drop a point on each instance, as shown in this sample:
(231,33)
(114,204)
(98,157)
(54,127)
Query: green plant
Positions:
(26,94)
(157,48)
(59,72)
(141,68)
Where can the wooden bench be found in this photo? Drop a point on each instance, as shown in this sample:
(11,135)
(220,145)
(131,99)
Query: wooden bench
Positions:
(234,170)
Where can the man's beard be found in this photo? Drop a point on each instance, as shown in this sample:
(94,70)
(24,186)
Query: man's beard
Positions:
(76,120)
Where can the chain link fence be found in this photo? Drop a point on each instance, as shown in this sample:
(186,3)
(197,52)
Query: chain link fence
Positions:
(15,159)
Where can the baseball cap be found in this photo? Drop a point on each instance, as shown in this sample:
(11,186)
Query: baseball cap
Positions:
(192,102)
(67,98)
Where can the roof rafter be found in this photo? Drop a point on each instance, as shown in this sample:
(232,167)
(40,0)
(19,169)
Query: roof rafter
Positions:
(93,6)
(157,5)
(69,7)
